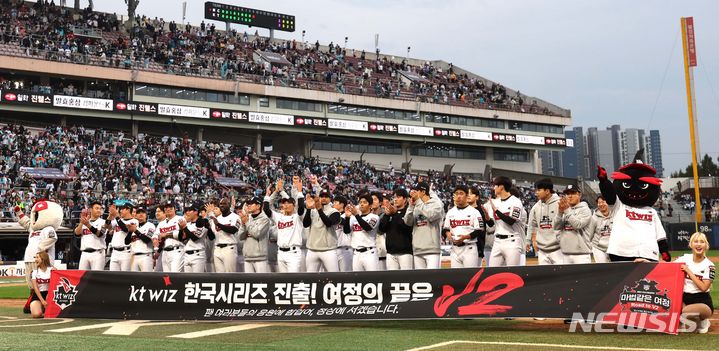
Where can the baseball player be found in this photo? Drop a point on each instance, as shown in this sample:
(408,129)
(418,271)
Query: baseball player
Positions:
(362,224)
(473,198)
(92,232)
(173,256)
(571,224)
(193,232)
(508,247)
(599,230)
(398,234)
(344,241)
(541,228)
(288,224)
(255,231)
(224,224)
(321,219)
(140,241)
(465,228)
(209,243)
(240,266)
(119,225)
(377,207)
(424,214)
(157,243)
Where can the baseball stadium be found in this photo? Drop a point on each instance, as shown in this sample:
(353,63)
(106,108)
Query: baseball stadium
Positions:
(224,182)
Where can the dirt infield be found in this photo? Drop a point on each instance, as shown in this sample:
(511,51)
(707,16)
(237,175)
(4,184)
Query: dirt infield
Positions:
(12,303)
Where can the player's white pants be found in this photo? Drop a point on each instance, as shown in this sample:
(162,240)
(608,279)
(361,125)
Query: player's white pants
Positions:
(158,262)
(554,257)
(506,252)
(92,261)
(400,261)
(577,259)
(326,259)
(120,260)
(464,256)
(141,262)
(344,258)
(427,261)
(195,261)
(272,251)
(382,263)
(173,261)
(289,261)
(225,259)
(599,255)
(240,263)
(303,263)
(257,267)
(365,261)
(487,254)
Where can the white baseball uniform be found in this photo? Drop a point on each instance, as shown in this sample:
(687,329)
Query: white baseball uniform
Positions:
(173,251)
(344,247)
(141,247)
(464,221)
(508,247)
(289,241)
(93,246)
(226,247)
(364,239)
(121,256)
(196,236)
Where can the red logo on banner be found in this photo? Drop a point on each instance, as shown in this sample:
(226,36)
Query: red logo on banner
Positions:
(490,289)
(121,106)
(216,114)
(653,302)
(10,97)
(300,121)
(62,292)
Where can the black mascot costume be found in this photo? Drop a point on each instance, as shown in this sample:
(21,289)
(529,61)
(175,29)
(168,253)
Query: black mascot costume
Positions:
(637,231)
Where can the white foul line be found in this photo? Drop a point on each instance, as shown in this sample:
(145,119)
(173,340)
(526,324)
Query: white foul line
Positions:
(234,328)
(241,327)
(447,343)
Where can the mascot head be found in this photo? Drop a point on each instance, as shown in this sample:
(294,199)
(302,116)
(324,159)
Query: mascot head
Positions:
(45,214)
(636,184)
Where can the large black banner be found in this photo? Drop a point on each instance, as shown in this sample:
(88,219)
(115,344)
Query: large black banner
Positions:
(531,291)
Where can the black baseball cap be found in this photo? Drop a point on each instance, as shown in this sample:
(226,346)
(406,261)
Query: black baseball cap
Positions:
(572,189)
(141,209)
(401,192)
(254,200)
(325,193)
(195,206)
(422,186)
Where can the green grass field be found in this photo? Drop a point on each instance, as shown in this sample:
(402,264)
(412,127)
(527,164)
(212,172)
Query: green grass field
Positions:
(19,332)
(371,335)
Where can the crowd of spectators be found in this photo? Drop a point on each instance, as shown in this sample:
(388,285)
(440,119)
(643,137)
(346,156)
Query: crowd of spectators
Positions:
(109,165)
(52,32)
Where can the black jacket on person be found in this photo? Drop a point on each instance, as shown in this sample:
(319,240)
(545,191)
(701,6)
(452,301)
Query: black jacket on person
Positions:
(399,234)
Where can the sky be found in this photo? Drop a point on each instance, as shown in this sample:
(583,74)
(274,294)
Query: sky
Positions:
(610,62)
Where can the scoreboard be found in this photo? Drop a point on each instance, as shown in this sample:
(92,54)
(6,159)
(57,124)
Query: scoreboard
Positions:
(249,17)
